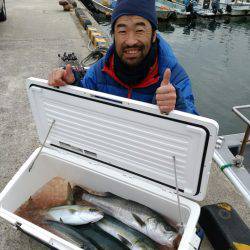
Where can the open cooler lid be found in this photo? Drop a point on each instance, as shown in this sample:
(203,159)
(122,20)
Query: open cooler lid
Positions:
(128,135)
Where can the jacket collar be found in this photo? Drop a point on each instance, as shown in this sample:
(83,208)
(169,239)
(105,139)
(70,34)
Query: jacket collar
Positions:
(151,78)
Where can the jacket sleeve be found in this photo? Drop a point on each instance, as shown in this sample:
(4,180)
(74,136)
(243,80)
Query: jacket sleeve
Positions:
(182,84)
(89,80)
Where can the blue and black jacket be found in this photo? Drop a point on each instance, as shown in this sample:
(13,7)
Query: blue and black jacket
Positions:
(101,77)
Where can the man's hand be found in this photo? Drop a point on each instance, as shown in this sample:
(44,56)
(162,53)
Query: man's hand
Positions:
(61,77)
(166,94)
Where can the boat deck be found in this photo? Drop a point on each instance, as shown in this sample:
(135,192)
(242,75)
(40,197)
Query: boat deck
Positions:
(226,150)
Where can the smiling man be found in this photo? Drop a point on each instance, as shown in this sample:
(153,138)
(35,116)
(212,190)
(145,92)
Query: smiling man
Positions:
(139,65)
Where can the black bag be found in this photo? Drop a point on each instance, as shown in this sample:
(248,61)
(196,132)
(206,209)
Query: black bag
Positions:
(224,228)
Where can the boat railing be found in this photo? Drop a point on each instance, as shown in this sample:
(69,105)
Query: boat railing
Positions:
(236,110)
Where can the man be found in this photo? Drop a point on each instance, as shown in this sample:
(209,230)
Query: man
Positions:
(139,65)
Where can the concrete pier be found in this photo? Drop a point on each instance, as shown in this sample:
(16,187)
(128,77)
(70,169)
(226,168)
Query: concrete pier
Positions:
(30,40)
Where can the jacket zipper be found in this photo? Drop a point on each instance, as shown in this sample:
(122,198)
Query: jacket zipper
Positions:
(129,93)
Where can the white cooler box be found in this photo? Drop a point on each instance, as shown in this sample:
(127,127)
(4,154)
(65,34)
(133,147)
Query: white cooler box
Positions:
(109,143)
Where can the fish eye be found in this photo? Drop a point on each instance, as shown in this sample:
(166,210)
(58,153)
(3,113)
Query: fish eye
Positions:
(93,210)
(166,227)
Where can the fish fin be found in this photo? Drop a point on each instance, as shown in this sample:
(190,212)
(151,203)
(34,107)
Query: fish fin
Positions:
(124,241)
(93,209)
(84,246)
(46,216)
(72,211)
(70,198)
(109,194)
(139,220)
(77,193)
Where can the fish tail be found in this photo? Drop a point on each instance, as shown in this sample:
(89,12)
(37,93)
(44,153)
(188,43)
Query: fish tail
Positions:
(70,198)
(177,241)
(77,193)
(46,217)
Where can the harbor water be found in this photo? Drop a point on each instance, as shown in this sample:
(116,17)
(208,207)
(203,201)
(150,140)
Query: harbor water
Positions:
(216,56)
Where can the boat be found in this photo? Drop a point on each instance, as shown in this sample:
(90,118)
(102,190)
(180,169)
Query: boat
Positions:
(226,8)
(236,8)
(89,5)
(208,13)
(232,154)
(164,9)
(177,7)
(198,9)
(105,6)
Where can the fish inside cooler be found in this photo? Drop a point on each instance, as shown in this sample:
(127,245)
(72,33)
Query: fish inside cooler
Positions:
(98,177)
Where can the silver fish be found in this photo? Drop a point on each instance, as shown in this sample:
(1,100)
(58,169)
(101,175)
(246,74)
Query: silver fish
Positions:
(101,239)
(135,215)
(74,214)
(68,233)
(128,236)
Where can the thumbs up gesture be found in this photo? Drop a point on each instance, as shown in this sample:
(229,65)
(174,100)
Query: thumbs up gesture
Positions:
(61,77)
(166,94)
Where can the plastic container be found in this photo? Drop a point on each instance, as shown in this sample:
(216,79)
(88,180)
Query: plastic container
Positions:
(109,143)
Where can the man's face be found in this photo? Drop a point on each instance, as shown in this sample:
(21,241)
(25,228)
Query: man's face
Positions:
(133,37)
